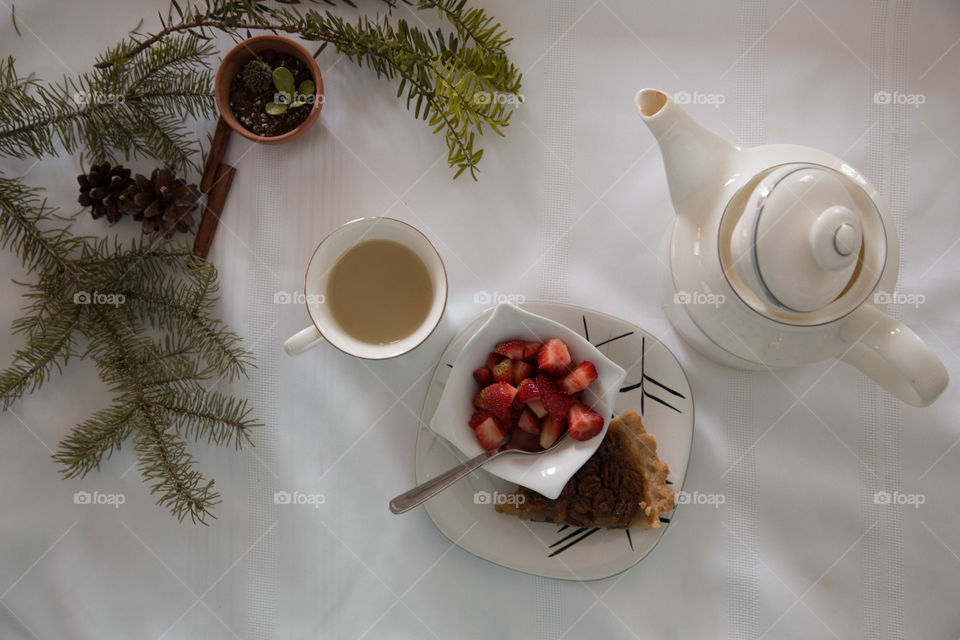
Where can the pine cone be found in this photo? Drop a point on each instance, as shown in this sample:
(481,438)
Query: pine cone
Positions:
(163,202)
(101,188)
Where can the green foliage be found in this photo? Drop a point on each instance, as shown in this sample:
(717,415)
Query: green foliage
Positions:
(117,300)
(129,110)
(144,313)
(460,82)
(292,97)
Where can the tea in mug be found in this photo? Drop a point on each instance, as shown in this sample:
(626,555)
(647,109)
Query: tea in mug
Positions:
(379,292)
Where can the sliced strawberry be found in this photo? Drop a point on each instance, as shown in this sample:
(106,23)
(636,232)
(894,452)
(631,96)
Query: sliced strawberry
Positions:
(555,401)
(537,407)
(490,433)
(579,379)
(478,416)
(528,422)
(526,392)
(520,439)
(521,371)
(530,350)
(476,401)
(584,422)
(551,429)
(503,371)
(483,376)
(554,357)
(512,349)
(496,399)
(493,360)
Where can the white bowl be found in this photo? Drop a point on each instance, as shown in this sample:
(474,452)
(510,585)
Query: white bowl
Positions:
(548,472)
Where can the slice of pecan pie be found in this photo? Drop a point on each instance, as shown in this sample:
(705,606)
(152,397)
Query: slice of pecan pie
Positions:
(624,484)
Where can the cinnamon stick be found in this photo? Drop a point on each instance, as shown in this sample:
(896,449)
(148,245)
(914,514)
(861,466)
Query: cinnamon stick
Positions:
(218,149)
(216,199)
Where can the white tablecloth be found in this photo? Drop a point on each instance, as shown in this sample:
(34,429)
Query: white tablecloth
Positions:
(568,208)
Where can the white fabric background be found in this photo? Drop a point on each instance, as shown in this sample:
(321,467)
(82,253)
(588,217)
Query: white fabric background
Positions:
(568,208)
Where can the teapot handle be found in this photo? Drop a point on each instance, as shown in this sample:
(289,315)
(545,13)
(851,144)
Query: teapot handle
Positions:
(893,355)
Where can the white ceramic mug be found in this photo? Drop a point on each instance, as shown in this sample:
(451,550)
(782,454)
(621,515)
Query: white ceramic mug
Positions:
(325,328)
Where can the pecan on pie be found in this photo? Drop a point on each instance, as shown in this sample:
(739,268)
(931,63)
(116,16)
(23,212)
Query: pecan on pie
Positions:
(623,484)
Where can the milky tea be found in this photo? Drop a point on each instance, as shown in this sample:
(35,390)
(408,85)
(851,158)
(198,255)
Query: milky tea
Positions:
(379,292)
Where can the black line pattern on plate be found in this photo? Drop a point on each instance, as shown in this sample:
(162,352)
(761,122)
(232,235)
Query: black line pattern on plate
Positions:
(576,532)
(609,340)
(644,394)
(588,533)
(583,537)
(582,533)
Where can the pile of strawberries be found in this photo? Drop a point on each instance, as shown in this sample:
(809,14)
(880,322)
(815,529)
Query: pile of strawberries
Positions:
(532,391)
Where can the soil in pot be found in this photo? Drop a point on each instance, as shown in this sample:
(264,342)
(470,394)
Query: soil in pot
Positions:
(249,107)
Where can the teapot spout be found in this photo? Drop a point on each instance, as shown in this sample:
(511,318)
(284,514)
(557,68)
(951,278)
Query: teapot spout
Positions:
(694,157)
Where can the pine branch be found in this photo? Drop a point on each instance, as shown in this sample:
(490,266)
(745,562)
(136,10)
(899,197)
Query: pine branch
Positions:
(163,459)
(472,25)
(168,468)
(92,441)
(182,308)
(222,419)
(23,216)
(137,108)
(159,383)
(458,83)
(160,343)
(33,364)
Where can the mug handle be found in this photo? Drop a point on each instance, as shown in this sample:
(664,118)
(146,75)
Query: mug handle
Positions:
(303,340)
(893,355)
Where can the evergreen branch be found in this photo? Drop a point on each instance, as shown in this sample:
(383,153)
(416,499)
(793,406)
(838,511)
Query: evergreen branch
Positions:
(137,107)
(224,420)
(473,25)
(167,466)
(162,340)
(164,461)
(23,215)
(93,440)
(32,365)
(458,83)
(180,308)
(158,383)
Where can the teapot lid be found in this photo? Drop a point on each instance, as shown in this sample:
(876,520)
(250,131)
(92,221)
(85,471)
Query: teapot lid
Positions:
(801,235)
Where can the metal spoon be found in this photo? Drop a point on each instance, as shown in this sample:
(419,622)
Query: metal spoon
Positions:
(426,490)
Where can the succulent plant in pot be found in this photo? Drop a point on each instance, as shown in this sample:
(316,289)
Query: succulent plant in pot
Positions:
(269,89)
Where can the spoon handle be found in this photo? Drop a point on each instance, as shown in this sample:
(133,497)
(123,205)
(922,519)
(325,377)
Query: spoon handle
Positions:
(433,486)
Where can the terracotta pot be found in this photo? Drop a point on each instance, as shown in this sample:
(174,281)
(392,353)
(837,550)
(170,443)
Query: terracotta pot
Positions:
(240,55)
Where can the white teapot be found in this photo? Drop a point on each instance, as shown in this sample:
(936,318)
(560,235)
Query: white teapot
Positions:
(781,255)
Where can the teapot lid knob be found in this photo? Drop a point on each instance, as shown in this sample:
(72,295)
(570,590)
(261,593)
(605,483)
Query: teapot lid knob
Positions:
(805,233)
(835,238)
